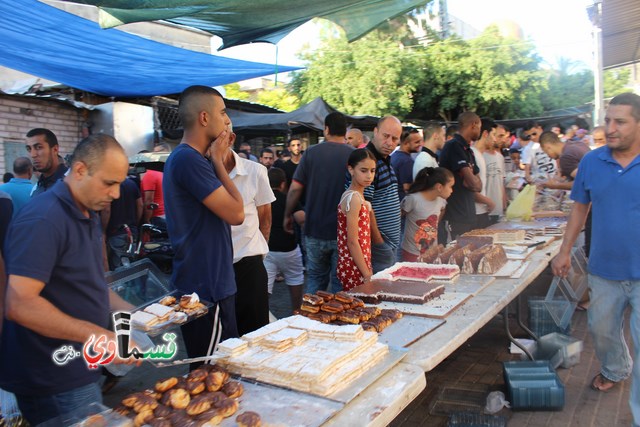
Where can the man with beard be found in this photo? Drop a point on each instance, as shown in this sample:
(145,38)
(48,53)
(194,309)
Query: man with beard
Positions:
(495,164)
(42,146)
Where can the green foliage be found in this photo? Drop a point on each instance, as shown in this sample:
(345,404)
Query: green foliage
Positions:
(233,92)
(278,98)
(491,75)
(572,89)
(375,75)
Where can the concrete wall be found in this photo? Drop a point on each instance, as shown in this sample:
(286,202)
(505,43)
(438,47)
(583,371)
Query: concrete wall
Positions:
(18,115)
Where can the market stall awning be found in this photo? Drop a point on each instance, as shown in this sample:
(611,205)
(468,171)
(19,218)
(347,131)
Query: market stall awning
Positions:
(309,116)
(620,32)
(46,42)
(240,21)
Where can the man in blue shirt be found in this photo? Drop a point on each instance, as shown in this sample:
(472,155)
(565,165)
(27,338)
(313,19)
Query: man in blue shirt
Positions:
(56,294)
(608,181)
(201,202)
(320,177)
(19,187)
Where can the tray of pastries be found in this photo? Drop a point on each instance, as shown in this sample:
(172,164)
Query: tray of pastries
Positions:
(169,311)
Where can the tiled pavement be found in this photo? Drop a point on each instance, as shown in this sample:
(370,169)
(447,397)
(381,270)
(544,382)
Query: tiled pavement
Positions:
(463,380)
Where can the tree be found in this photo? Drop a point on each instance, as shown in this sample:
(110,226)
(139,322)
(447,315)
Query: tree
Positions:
(491,75)
(566,89)
(234,92)
(375,75)
(278,98)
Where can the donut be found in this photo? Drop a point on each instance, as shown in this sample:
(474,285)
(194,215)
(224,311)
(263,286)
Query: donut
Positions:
(312,299)
(160,422)
(198,406)
(145,403)
(166,384)
(180,398)
(214,380)
(211,417)
(309,308)
(162,411)
(227,407)
(143,418)
(122,410)
(131,399)
(248,419)
(197,375)
(195,387)
(233,389)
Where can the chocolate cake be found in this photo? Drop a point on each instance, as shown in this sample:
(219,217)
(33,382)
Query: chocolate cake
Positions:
(493,260)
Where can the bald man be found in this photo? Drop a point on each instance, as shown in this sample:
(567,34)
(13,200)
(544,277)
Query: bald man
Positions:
(355,138)
(383,195)
(458,157)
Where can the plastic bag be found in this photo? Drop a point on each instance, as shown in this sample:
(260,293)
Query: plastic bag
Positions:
(522,205)
(495,402)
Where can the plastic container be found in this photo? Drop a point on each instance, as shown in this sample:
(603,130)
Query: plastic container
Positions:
(541,321)
(533,385)
(472,419)
(562,350)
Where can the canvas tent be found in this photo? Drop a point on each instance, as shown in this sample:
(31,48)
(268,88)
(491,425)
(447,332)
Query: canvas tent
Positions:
(308,117)
(41,40)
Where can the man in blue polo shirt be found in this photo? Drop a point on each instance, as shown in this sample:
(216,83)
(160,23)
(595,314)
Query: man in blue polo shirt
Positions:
(201,202)
(43,148)
(56,293)
(608,180)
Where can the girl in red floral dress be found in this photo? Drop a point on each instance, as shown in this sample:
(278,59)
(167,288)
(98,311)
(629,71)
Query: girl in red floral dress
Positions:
(354,222)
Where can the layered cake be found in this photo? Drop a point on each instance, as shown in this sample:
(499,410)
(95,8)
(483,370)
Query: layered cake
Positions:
(407,291)
(493,260)
(499,235)
(418,271)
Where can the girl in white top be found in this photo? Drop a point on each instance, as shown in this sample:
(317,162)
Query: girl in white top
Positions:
(423,207)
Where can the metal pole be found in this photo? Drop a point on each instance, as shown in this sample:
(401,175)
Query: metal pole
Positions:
(595,14)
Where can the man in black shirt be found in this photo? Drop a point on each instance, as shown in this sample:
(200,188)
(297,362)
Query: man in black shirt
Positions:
(42,146)
(458,157)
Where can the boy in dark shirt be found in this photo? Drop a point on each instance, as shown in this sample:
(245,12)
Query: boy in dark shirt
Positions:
(284,253)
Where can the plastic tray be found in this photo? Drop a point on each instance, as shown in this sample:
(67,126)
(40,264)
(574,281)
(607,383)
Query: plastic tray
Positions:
(472,419)
(560,349)
(533,385)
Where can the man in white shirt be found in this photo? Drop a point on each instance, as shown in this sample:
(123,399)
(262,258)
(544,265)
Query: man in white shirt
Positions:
(484,204)
(536,163)
(250,241)
(496,172)
(433,142)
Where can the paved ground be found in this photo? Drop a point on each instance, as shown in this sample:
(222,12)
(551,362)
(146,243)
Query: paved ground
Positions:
(462,381)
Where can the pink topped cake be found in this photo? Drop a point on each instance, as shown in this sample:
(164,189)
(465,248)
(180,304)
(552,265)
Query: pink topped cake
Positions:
(418,271)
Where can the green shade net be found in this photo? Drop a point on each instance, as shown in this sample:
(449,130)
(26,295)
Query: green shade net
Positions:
(240,21)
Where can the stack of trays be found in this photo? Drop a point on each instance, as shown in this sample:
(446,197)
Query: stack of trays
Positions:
(533,385)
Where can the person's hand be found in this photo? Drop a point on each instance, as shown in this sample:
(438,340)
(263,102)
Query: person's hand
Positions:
(220,146)
(287,224)
(367,277)
(491,205)
(561,264)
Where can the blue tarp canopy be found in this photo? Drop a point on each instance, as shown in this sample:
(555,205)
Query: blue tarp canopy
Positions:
(41,40)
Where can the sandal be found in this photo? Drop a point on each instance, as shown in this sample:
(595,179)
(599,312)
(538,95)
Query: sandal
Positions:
(602,383)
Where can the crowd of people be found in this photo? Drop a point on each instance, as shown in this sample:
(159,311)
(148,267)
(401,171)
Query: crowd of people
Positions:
(327,218)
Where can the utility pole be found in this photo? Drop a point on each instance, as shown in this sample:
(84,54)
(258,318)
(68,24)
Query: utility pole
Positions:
(595,15)
(444,19)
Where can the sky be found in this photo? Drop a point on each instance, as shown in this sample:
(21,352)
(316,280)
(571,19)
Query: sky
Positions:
(558,28)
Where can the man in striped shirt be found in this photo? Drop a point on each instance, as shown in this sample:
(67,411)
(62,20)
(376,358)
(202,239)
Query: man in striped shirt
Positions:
(383,195)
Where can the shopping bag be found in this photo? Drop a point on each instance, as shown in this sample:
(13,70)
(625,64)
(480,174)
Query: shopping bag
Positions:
(522,205)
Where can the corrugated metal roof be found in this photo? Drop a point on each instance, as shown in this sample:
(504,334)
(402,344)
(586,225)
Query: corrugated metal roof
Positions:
(620,32)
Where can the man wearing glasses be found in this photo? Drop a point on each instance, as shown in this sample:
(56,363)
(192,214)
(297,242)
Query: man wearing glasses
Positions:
(536,163)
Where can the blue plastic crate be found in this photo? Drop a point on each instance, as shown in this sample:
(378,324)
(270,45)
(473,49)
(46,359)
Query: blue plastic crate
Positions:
(533,385)
(541,321)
